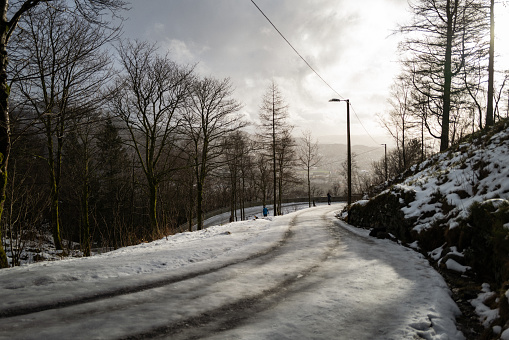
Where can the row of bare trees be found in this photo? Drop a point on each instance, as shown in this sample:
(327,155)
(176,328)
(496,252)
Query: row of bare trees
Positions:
(17,13)
(111,146)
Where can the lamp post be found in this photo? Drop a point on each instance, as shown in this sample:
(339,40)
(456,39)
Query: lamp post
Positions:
(348,147)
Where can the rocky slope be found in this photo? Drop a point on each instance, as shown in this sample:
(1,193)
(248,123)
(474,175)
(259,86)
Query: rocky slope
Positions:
(454,208)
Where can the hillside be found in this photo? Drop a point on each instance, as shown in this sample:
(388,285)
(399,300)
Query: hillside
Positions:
(333,155)
(454,208)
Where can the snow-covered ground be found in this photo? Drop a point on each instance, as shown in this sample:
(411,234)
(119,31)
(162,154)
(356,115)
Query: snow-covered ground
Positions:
(305,275)
(471,174)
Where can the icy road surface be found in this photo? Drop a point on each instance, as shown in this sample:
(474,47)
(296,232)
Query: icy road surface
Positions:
(305,275)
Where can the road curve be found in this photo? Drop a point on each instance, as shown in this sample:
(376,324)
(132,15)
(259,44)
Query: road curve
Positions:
(317,271)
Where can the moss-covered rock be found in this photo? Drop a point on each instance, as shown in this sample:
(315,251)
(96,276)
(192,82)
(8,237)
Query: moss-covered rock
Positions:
(487,240)
(384,212)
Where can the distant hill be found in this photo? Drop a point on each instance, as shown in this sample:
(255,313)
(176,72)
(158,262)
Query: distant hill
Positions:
(356,139)
(329,172)
(335,154)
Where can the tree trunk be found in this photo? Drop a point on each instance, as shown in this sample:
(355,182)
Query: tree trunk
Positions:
(54,189)
(55,217)
(491,66)
(85,221)
(201,175)
(422,148)
(191,203)
(233,198)
(403,147)
(444,137)
(55,210)
(309,188)
(243,197)
(280,192)
(199,205)
(5,142)
(274,155)
(152,206)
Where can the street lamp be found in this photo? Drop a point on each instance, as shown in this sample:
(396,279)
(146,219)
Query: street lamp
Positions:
(349,151)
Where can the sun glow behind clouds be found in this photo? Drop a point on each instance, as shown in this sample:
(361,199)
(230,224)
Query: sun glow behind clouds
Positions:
(349,43)
(360,66)
(501,36)
(343,41)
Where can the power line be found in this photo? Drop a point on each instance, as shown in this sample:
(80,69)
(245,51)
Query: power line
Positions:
(305,61)
(355,113)
(310,67)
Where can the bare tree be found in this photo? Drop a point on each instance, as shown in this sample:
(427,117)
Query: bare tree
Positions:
(393,161)
(212,114)
(437,45)
(151,89)
(91,9)
(27,199)
(355,174)
(80,148)
(59,64)
(398,121)
(24,210)
(263,176)
(474,84)
(113,170)
(273,116)
(498,96)
(237,152)
(286,161)
(336,188)
(309,158)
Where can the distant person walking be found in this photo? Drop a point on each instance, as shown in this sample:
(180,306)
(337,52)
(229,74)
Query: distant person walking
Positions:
(329,198)
(265,211)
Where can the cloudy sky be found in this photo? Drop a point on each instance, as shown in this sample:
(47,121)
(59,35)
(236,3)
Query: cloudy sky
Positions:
(349,43)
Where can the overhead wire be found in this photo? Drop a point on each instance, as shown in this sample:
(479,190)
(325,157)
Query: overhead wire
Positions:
(355,113)
(311,68)
(295,50)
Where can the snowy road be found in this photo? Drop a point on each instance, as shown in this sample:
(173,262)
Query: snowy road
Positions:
(301,276)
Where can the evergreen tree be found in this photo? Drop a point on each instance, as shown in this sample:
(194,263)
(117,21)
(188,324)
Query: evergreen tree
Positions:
(112,162)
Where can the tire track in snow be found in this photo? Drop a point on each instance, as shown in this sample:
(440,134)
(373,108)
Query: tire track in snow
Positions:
(14,311)
(91,316)
(231,315)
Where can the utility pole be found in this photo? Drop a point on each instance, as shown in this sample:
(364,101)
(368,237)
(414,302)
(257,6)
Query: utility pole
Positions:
(349,149)
(276,211)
